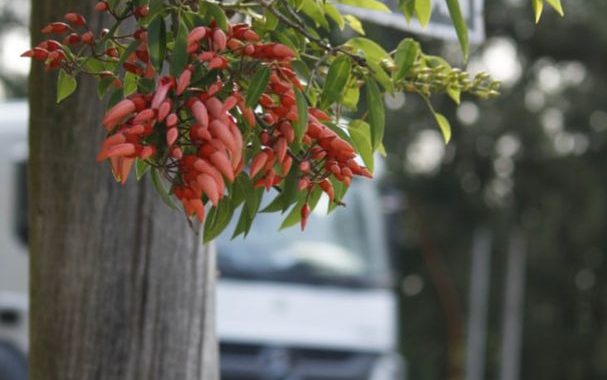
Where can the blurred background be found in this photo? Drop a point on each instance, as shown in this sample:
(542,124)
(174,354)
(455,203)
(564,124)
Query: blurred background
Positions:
(495,243)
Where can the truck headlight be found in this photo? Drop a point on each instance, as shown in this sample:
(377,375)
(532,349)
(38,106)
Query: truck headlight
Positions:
(388,367)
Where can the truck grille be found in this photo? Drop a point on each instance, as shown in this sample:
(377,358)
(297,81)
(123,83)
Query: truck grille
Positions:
(266,362)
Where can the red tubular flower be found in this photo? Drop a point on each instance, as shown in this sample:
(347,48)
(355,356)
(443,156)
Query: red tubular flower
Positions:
(172,135)
(145,116)
(222,163)
(36,53)
(125,167)
(50,45)
(141,11)
(72,39)
(88,38)
(209,187)
(259,161)
(75,18)
(55,27)
(219,40)
(171,120)
(183,81)
(200,113)
(204,166)
(164,109)
(122,150)
(101,6)
(305,213)
(197,34)
(198,208)
(164,85)
(281,51)
(118,113)
(221,131)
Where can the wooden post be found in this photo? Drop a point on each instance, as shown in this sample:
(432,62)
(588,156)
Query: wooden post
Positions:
(121,287)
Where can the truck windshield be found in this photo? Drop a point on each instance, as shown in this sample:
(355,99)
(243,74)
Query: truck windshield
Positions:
(345,248)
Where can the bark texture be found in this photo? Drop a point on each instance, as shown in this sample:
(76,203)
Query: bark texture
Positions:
(120,287)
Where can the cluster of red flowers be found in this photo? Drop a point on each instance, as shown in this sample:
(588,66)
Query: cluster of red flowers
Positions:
(191,126)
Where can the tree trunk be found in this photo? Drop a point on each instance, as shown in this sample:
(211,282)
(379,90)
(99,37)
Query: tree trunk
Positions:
(121,287)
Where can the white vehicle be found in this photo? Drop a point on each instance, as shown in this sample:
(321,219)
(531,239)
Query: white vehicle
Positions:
(316,305)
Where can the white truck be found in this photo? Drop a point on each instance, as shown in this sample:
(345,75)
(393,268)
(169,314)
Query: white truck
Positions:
(316,305)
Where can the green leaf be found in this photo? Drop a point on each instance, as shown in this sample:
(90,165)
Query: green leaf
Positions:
(179,56)
(434,61)
(66,85)
(444,126)
(375,55)
(454,93)
(377,117)
(115,97)
(271,21)
(337,78)
(161,190)
(380,75)
(372,51)
(538,6)
(340,130)
(257,86)
(300,125)
(351,96)
(355,24)
(423,9)
(301,69)
(294,215)
(146,85)
(291,39)
(218,219)
(93,65)
(408,8)
(360,133)
(156,6)
(103,86)
(157,41)
(313,10)
(461,29)
(556,5)
(382,150)
(242,190)
(214,12)
(287,196)
(130,83)
(366,4)
(339,189)
(127,52)
(245,221)
(335,15)
(141,167)
(405,56)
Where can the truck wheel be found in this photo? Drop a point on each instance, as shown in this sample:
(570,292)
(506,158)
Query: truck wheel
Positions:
(13,364)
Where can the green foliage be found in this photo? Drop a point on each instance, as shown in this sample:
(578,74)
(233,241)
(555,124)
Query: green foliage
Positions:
(538,6)
(66,85)
(157,41)
(328,83)
(336,81)
(258,84)
(179,57)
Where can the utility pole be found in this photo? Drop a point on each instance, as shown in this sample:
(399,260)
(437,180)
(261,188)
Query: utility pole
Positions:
(479,304)
(513,307)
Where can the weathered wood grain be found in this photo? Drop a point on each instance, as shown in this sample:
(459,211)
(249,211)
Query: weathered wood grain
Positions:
(121,287)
